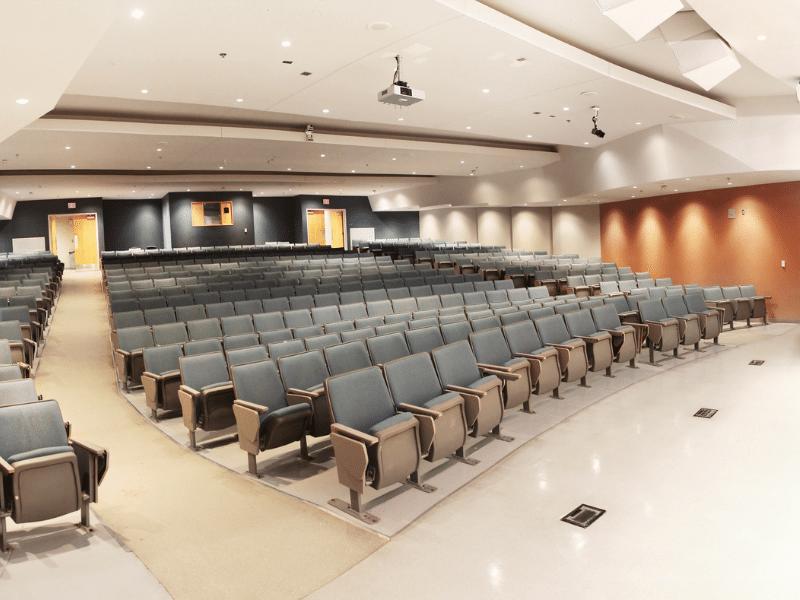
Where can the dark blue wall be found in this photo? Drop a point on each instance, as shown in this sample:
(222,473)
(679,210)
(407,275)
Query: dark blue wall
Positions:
(180,216)
(273,219)
(124,224)
(133,224)
(403,224)
(30,219)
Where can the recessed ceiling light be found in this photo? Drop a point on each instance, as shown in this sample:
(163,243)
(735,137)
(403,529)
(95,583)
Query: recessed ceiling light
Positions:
(16,192)
(529,135)
(353,171)
(289,169)
(222,167)
(400,119)
(468,127)
(688,179)
(565,199)
(148,167)
(286,43)
(634,187)
(137,14)
(72,166)
(325,110)
(761,38)
(462,162)
(394,158)
(674,190)
(240,99)
(471,174)
(412,172)
(322,156)
(67,147)
(145,91)
(729,183)
(566,108)
(22,101)
(188,190)
(638,123)
(485,90)
(585,143)
(158,149)
(521,166)
(633,196)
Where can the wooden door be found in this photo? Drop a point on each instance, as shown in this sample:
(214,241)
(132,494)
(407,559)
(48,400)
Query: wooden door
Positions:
(85,229)
(337,229)
(316,227)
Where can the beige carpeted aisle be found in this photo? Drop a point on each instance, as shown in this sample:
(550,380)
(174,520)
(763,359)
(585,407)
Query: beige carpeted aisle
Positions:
(203,531)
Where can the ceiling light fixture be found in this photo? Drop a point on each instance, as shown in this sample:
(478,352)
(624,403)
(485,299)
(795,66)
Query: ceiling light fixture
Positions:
(72,166)
(485,91)
(67,147)
(325,110)
(761,38)
(529,135)
(145,91)
(22,101)
(240,99)
(286,43)
(595,130)
(137,14)
(468,127)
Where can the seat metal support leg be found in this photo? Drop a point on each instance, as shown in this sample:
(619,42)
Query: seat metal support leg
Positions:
(415,481)
(192,441)
(252,467)
(354,509)
(556,394)
(4,547)
(583,382)
(652,360)
(526,407)
(495,433)
(461,456)
(608,372)
(86,517)
(632,363)
(304,448)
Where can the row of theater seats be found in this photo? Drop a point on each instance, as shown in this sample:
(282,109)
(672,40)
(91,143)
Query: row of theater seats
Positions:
(492,369)
(44,473)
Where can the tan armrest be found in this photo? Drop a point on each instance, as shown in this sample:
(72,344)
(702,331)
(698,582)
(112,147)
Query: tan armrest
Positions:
(188,390)
(463,390)
(533,356)
(420,410)
(590,339)
(89,447)
(5,467)
(217,389)
(307,393)
(493,367)
(344,430)
(504,375)
(252,406)
(563,346)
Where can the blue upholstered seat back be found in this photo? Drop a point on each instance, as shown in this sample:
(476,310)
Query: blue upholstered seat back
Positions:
(580,323)
(456,365)
(202,370)
(303,371)
(162,359)
(413,380)
(360,399)
(490,347)
(348,357)
(259,382)
(26,428)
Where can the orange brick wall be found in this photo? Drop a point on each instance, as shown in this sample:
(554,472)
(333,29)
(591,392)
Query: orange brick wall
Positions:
(690,238)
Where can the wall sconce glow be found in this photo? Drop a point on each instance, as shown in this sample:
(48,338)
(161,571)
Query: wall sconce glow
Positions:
(22,101)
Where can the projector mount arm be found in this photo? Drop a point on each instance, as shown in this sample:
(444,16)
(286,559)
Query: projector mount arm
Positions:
(398,74)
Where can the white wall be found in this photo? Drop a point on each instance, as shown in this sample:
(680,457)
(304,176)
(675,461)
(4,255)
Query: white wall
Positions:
(531,228)
(576,229)
(451,224)
(494,226)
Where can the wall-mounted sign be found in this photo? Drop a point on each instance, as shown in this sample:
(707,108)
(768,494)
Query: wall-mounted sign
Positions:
(71,205)
(326,201)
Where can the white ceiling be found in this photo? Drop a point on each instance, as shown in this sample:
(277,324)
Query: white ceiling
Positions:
(89,61)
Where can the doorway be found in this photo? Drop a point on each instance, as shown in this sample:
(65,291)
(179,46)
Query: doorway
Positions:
(73,238)
(327,227)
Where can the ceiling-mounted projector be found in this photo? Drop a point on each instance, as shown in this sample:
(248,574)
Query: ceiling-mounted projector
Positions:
(400,93)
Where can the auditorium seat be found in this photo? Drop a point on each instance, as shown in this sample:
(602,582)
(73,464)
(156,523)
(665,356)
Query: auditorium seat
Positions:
(162,378)
(303,376)
(663,334)
(373,443)
(494,358)
(264,418)
(45,474)
(599,349)
(572,355)
(206,394)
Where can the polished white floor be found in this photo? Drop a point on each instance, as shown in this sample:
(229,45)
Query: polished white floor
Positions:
(696,508)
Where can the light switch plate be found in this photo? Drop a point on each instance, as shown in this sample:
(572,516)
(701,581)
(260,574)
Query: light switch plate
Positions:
(731,213)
